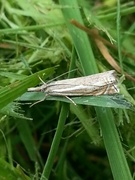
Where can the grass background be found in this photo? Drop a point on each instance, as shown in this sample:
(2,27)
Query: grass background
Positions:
(54,139)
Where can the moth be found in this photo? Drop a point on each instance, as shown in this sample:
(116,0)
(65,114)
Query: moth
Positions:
(92,85)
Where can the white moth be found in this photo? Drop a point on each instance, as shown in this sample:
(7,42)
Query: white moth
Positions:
(92,85)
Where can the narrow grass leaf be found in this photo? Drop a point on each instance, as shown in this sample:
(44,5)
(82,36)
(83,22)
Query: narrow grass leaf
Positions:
(16,89)
(113,101)
(27,139)
(8,172)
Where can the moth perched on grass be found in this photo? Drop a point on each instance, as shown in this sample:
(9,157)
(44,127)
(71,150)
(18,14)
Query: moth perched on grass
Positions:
(92,85)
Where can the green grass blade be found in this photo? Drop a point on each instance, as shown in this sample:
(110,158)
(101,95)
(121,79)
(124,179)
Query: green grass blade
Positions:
(9,173)
(79,37)
(56,141)
(113,146)
(87,123)
(113,101)
(16,89)
(27,139)
(89,66)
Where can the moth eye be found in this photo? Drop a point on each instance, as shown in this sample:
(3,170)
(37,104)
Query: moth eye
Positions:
(111,80)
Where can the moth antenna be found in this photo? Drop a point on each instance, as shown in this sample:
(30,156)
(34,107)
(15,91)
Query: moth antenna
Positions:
(61,75)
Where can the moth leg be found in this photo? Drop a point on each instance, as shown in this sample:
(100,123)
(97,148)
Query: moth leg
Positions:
(70,100)
(39,101)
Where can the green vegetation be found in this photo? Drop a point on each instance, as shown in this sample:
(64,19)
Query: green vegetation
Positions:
(54,138)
